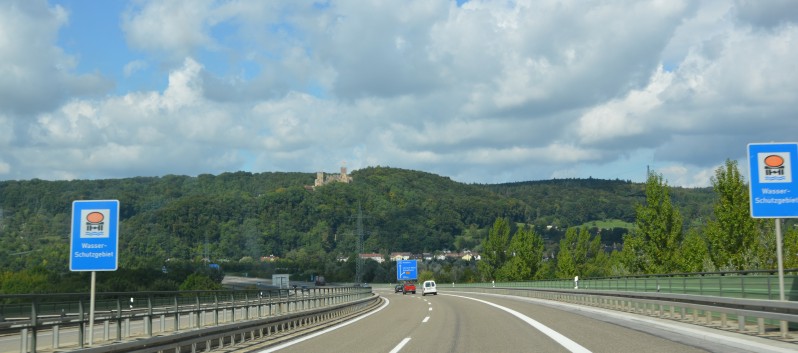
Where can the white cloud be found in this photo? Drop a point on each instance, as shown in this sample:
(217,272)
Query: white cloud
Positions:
(633,115)
(174,28)
(491,91)
(687,176)
(37,75)
(185,86)
(6,131)
(133,67)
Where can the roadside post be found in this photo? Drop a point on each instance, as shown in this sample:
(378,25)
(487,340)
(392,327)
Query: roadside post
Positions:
(94,244)
(774,192)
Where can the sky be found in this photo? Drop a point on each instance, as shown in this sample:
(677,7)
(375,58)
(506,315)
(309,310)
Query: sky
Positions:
(479,91)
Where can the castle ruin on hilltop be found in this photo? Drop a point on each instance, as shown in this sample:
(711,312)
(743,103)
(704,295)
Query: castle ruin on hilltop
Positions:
(321,179)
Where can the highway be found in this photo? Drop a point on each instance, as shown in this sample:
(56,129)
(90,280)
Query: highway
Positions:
(465,322)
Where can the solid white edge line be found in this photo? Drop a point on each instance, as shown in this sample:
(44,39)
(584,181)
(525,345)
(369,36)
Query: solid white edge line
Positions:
(566,342)
(738,340)
(400,345)
(315,334)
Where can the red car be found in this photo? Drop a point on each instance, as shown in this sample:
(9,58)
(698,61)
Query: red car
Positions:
(409,287)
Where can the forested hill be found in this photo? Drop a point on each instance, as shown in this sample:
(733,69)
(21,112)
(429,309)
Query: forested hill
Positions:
(235,215)
(568,202)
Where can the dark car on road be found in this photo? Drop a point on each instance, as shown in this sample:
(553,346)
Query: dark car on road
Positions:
(398,288)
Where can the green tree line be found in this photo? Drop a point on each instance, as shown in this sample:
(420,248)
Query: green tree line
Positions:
(660,243)
(528,230)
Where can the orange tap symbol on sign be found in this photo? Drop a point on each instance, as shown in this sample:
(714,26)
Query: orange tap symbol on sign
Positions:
(774,164)
(94,221)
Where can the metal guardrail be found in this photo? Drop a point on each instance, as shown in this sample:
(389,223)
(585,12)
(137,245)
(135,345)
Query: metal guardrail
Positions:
(751,315)
(737,284)
(64,317)
(268,331)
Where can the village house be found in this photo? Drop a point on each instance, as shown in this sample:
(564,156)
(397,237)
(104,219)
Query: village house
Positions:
(397,256)
(373,256)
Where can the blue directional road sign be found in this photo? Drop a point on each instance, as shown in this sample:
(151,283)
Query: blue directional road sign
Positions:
(406,270)
(773,187)
(95,236)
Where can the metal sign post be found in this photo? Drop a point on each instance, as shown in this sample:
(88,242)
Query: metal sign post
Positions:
(780,259)
(94,244)
(774,192)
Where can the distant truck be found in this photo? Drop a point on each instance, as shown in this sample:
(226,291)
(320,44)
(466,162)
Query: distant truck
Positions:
(320,281)
(280,281)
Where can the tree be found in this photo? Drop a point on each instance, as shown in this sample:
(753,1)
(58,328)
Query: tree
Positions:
(653,245)
(198,281)
(566,258)
(579,255)
(525,254)
(26,281)
(762,256)
(494,255)
(425,276)
(790,248)
(733,232)
(693,253)
(598,261)
(632,258)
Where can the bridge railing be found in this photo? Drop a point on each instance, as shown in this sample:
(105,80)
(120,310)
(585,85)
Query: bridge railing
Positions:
(735,284)
(53,321)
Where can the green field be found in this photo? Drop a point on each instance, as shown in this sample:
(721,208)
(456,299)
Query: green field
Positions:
(609,224)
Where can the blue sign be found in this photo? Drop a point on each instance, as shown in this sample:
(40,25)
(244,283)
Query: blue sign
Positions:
(95,236)
(773,187)
(406,270)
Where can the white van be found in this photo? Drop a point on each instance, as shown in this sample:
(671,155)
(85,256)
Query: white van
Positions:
(429,288)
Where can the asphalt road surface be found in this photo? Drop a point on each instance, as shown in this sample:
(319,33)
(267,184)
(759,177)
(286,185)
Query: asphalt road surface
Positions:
(480,323)
(460,322)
